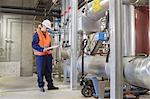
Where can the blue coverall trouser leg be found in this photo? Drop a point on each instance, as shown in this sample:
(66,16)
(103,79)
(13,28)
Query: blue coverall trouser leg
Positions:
(44,68)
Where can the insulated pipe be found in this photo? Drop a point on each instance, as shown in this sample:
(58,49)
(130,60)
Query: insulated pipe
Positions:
(94,65)
(136,2)
(104,4)
(137,72)
(95,16)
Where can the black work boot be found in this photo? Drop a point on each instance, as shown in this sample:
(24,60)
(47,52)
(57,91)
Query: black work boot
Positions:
(42,89)
(52,88)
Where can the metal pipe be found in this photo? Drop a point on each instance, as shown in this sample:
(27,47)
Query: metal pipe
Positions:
(129,30)
(136,2)
(90,17)
(137,71)
(28,8)
(94,65)
(116,55)
(73,79)
(62,12)
(33,13)
(104,4)
(95,16)
(21,8)
(67,19)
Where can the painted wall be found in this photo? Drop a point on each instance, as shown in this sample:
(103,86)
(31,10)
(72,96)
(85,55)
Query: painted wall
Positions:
(142,30)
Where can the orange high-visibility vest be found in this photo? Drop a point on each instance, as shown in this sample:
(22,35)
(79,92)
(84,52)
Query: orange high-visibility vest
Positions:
(44,42)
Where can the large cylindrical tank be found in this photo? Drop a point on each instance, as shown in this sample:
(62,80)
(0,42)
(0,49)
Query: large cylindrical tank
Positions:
(93,65)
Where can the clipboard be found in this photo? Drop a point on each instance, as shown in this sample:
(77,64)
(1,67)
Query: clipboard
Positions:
(52,47)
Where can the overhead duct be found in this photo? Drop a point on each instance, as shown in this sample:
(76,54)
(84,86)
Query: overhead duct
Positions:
(136,2)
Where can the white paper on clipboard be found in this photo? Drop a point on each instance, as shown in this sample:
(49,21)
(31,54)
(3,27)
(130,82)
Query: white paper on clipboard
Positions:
(52,47)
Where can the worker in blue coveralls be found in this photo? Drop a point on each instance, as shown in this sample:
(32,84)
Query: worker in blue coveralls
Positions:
(40,44)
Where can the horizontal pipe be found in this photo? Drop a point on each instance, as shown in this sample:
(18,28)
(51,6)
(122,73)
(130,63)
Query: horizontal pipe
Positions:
(33,13)
(21,8)
(28,8)
(104,4)
(136,71)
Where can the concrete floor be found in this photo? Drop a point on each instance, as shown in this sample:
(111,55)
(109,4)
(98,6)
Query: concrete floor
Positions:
(26,88)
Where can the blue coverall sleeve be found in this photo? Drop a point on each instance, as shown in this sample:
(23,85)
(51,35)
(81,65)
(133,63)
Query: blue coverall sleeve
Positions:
(35,41)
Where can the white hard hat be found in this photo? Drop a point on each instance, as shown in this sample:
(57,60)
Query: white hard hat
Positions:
(47,23)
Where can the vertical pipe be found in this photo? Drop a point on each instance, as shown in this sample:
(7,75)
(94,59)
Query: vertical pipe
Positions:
(21,67)
(62,20)
(129,30)
(73,82)
(149,27)
(69,27)
(65,20)
(62,11)
(116,71)
(66,16)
